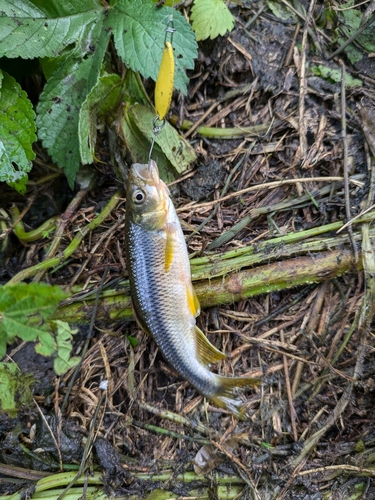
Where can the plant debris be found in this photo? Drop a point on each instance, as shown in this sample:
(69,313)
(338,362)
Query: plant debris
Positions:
(274,206)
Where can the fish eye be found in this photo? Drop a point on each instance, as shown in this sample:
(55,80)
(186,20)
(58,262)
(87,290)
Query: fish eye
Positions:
(139,197)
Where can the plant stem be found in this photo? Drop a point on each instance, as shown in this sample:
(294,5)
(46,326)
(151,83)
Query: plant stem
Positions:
(34,234)
(116,305)
(223,133)
(51,483)
(55,261)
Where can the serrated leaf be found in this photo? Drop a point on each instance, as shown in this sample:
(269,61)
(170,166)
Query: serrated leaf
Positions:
(61,101)
(139,32)
(27,30)
(100,102)
(17,133)
(64,334)
(14,388)
(24,310)
(176,149)
(211,18)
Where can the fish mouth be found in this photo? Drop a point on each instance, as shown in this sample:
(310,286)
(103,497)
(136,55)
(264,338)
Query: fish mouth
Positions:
(148,173)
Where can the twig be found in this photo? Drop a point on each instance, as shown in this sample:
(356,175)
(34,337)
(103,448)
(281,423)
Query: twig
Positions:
(61,224)
(344,467)
(174,417)
(245,471)
(349,223)
(322,33)
(87,449)
(266,185)
(291,479)
(51,434)
(89,336)
(303,87)
(167,432)
(201,120)
(289,391)
(345,146)
(312,441)
(296,202)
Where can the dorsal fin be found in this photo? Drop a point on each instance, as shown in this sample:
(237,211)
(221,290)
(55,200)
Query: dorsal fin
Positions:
(206,352)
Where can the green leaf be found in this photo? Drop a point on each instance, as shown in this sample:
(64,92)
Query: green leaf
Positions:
(281,11)
(139,147)
(176,149)
(132,340)
(333,75)
(64,334)
(139,32)
(29,31)
(62,98)
(351,20)
(100,103)
(24,311)
(211,18)
(14,388)
(61,8)
(17,133)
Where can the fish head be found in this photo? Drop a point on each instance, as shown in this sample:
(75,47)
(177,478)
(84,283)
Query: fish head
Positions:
(147,196)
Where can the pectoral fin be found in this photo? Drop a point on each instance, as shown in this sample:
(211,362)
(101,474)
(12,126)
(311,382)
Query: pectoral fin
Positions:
(206,352)
(169,245)
(140,323)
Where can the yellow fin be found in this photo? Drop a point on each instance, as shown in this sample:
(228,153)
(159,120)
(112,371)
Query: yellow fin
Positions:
(169,246)
(206,352)
(226,396)
(193,302)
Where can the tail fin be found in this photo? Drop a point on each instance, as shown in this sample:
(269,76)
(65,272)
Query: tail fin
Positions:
(225,396)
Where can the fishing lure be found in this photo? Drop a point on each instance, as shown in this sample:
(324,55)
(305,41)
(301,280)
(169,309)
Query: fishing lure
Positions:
(165,82)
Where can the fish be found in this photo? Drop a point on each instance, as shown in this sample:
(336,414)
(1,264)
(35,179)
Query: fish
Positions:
(163,298)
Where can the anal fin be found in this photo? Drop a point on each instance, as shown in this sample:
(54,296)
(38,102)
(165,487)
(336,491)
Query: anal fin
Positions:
(206,352)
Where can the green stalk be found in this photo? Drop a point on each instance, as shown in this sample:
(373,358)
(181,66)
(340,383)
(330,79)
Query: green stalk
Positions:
(55,261)
(116,305)
(49,487)
(223,133)
(287,261)
(34,234)
(93,493)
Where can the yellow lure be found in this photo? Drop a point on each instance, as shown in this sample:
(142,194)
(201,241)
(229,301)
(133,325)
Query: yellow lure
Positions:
(165,82)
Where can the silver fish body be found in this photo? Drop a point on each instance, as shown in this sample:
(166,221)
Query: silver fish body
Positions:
(163,297)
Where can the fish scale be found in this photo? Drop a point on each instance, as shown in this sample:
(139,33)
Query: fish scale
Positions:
(153,302)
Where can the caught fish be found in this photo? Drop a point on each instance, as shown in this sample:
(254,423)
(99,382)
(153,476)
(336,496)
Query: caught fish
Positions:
(164,300)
